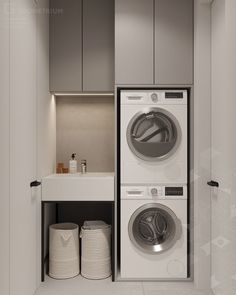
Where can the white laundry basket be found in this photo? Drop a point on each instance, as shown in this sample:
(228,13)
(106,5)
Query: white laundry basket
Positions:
(64,250)
(96,250)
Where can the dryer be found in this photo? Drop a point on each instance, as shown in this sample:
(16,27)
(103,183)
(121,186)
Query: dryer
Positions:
(154,232)
(154,136)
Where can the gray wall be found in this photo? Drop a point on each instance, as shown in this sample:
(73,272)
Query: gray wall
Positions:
(5,147)
(85,126)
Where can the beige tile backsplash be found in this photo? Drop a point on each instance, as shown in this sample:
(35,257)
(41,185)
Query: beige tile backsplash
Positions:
(85,126)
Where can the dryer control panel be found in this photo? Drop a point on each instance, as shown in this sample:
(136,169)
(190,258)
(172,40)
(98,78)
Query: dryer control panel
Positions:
(154,97)
(174,191)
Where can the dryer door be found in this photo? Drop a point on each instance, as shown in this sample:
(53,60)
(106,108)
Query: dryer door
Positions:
(153,134)
(154,228)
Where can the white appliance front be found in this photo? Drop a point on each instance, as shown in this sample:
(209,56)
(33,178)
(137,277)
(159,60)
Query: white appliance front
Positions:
(153,233)
(153,137)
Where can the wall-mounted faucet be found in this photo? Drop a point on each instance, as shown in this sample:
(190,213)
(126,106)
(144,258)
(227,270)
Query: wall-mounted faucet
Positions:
(83,166)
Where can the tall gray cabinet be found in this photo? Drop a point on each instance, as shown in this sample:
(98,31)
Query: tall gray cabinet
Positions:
(134,60)
(66,45)
(154,42)
(173,41)
(98,45)
(82,45)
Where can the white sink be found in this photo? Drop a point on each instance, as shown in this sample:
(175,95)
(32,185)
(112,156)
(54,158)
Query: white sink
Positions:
(78,187)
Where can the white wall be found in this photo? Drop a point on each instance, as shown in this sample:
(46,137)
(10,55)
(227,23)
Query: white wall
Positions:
(202,144)
(4,147)
(45,119)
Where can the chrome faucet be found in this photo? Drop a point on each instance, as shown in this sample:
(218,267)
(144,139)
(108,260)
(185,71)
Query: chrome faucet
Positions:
(83,166)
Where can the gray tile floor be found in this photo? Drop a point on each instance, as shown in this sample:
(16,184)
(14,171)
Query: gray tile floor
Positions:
(82,286)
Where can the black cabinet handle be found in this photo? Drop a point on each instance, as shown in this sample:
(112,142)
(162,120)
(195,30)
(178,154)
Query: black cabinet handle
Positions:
(213,183)
(35,183)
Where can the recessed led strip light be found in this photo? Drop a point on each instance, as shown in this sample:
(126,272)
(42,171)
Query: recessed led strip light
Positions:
(83,94)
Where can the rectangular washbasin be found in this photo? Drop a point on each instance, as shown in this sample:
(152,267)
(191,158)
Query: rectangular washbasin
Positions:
(92,186)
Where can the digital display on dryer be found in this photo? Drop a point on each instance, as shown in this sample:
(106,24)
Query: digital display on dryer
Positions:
(174,191)
(174,95)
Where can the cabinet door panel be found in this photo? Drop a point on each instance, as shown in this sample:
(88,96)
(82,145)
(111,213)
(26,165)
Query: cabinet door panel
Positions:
(223,146)
(24,202)
(134,41)
(98,45)
(66,45)
(173,41)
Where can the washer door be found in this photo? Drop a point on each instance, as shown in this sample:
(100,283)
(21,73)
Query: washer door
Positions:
(154,228)
(153,134)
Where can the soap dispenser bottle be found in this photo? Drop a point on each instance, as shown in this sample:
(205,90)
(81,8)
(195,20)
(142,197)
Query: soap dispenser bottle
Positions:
(73,164)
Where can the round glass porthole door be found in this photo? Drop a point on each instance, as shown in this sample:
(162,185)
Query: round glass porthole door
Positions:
(153,134)
(154,228)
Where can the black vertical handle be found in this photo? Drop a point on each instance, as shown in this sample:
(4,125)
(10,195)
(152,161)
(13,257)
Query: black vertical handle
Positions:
(213,183)
(35,183)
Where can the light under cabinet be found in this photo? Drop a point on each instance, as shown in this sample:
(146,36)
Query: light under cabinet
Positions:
(86,94)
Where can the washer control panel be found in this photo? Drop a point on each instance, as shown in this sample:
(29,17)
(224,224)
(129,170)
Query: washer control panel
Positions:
(154,192)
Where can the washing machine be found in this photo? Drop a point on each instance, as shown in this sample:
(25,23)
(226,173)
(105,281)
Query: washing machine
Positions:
(154,136)
(154,239)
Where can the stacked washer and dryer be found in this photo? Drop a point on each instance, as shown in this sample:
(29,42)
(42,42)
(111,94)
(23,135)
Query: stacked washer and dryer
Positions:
(153,184)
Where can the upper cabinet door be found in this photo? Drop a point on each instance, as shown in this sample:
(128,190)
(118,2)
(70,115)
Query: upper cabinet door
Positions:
(134,41)
(98,45)
(66,45)
(173,41)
